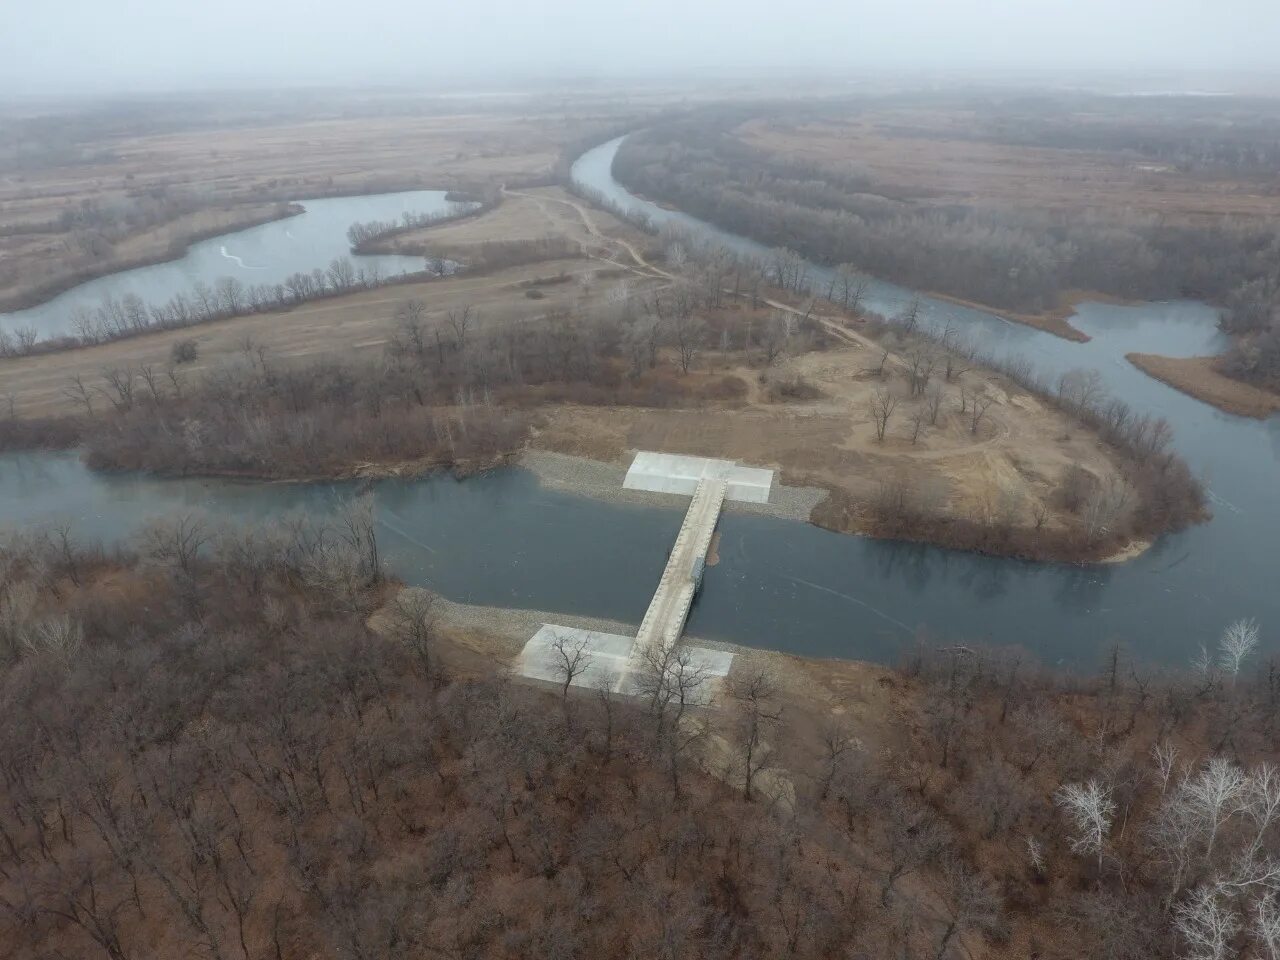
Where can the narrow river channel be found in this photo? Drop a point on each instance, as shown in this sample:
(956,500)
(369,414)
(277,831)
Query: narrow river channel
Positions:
(265,254)
(503,540)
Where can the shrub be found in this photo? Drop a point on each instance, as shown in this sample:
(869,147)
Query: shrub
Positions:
(184,351)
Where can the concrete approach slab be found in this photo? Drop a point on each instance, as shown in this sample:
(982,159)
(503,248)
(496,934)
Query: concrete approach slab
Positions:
(608,659)
(677,473)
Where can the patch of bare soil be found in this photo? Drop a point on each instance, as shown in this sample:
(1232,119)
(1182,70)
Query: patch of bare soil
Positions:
(1199,377)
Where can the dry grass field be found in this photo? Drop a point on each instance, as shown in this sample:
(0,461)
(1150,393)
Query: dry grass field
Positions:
(360,324)
(349,327)
(135,198)
(927,157)
(1199,377)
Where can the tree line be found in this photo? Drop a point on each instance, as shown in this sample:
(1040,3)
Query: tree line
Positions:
(1007,258)
(117,318)
(450,390)
(1253,318)
(368,236)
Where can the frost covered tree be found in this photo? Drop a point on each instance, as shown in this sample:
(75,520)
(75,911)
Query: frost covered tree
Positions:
(1207,925)
(1165,755)
(1261,803)
(1213,795)
(1266,925)
(1091,810)
(1237,644)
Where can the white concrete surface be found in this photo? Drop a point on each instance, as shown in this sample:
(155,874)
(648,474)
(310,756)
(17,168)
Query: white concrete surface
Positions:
(608,657)
(623,662)
(676,473)
(664,620)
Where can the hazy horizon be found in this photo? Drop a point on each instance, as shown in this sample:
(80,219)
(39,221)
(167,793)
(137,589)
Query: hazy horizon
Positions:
(79,46)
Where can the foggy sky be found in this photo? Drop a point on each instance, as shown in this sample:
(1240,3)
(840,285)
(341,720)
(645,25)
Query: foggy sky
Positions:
(50,46)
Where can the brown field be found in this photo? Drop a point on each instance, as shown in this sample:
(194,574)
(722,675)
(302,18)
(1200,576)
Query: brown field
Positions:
(235,170)
(351,326)
(1013,463)
(920,155)
(1199,377)
(354,325)
(539,213)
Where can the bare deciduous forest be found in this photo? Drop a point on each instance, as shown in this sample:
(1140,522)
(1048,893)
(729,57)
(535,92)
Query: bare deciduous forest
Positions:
(251,771)
(1023,255)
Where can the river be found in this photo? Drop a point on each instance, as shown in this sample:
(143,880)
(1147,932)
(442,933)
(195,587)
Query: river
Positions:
(504,540)
(265,254)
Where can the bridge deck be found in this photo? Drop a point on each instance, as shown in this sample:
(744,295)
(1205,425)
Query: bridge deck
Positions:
(664,620)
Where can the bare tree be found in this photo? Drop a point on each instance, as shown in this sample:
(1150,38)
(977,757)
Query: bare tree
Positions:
(933,404)
(1207,925)
(1238,643)
(606,698)
(1091,809)
(757,716)
(970,903)
(461,322)
(837,743)
(357,523)
(571,659)
(918,418)
(1035,856)
(151,377)
(774,334)
(1261,804)
(689,332)
(882,403)
(909,319)
(980,403)
(175,541)
(1266,924)
(1213,794)
(341,273)
(920,364)
(913,839)
(79,393)
(121,383)
(411,619)
(230,295)
(1165,755)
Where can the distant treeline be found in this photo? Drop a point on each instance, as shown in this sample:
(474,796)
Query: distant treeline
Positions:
(1235,136)
(365,237)
(117,318)
(1011,258)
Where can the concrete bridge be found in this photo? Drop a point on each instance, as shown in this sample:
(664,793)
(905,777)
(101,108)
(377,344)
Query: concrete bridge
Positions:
(619,660)
(664,620)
